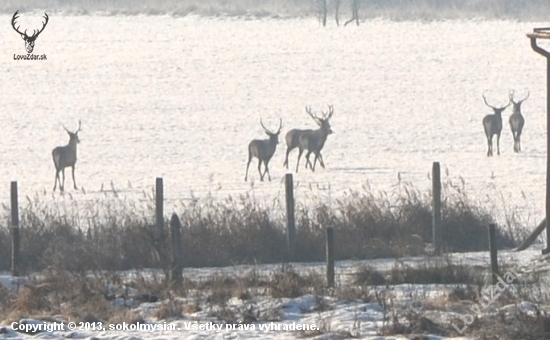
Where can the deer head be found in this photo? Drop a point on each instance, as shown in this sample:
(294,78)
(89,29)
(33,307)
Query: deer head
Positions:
(273,135)
(322,122)
(29,41)
(73,136)
(517,104)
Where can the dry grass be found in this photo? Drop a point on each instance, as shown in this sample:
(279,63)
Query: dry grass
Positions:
(114,234)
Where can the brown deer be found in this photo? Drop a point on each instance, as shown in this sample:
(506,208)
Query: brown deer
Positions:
(293,136)
(314,140)
(517,121)
(263,149)
(29,41)
(492,125)
(65,156)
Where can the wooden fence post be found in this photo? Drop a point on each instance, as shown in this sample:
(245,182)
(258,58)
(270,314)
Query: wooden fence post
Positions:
(158,233)
(159,201)
(493,252)
(15,240)
(290,218)
(176,256)
(330,257)
(436,218)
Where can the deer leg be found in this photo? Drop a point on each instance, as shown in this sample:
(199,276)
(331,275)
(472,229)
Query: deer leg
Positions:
(321,161)
(259,170)
(286,158)
(299,155)
(308,163)
(74,182)
(489,146)
(498,143)
(62,185)
(267,170)
(519,142)
(247,165)
(56,179)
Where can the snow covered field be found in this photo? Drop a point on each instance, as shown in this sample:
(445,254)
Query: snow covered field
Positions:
(182,97)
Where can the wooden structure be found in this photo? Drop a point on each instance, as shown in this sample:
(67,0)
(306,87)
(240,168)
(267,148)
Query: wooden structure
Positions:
(544,33)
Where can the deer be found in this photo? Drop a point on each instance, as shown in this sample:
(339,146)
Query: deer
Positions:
(292,137)
(492,125)
(263,149)
(517,121)
(314,140)
(65,156)
(29,41)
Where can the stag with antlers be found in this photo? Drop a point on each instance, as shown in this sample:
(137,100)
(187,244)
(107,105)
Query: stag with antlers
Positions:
(263,149)
(29,41)
(517,121)
(310,140)
(493,126)
(65,156)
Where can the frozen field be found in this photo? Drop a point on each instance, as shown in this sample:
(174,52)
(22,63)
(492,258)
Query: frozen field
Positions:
(182,97)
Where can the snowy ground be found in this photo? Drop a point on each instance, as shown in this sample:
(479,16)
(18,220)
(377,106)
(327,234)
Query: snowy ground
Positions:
(183,98)
(330,317)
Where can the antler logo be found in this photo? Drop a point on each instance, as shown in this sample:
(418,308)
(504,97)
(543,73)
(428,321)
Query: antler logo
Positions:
(29,41)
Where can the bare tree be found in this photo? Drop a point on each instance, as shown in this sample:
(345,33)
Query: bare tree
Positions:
(492,125)
(336,11)
(263,149)
(354,13)
(517,121)
(65,156)
(324,11)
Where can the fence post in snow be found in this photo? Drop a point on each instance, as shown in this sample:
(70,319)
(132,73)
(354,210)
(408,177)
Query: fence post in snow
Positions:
(493,251)
(176,256)
(290,224)
(159,200)
(436,218)
(14,230)
(330,257)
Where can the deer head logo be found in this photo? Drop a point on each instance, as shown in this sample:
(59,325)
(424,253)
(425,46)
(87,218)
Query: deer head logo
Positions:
(29,41)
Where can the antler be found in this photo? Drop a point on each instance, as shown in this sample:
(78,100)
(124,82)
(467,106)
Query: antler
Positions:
(485,100)
(79,124)
(35,35)
(330,112)
(15,17)
(265,129)
(501,108)
(519,101)
(308,110)
(280,125)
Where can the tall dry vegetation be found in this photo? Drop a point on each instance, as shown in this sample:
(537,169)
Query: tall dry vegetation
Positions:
(113,234)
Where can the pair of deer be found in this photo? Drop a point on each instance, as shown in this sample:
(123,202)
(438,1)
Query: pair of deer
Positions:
(310,140)
(493,123)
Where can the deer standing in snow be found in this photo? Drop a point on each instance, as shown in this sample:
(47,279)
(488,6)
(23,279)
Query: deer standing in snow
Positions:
(65,156)
(311,140)
(517,121)
(263,149)
(492,125)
